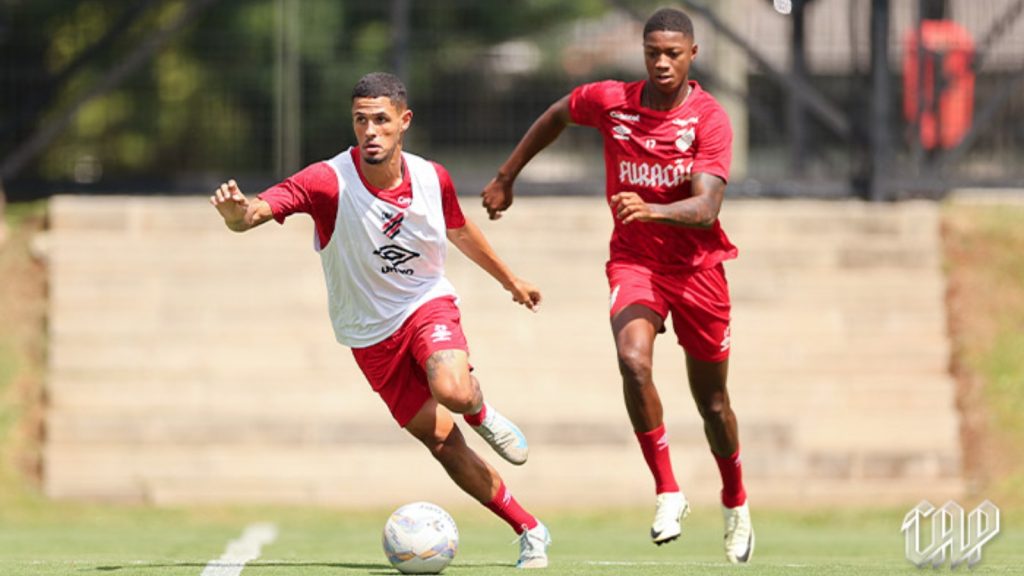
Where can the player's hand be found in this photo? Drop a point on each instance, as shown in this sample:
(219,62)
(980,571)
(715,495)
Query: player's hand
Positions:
(230,203)
(630,207)
(497,197)
(525,293)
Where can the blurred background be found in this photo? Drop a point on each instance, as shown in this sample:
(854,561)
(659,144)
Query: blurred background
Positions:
(147,355)
(840,98)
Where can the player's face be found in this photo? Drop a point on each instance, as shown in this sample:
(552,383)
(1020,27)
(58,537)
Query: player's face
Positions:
(379,125)
(668,56)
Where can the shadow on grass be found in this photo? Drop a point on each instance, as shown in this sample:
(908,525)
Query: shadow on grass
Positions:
(253,567)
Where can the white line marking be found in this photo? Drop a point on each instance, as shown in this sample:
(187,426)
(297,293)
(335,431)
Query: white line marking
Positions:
(245,549)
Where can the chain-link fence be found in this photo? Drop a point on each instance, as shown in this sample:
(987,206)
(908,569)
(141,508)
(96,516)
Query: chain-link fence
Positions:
(173,96)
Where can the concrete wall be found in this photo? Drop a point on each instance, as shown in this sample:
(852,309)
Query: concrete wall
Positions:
(192,364)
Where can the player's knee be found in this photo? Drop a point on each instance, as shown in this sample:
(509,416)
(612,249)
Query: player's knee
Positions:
(713,406)
(634,364)
(456,394)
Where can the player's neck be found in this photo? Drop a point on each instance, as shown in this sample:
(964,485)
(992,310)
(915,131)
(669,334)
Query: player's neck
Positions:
(386,175)
(656,100)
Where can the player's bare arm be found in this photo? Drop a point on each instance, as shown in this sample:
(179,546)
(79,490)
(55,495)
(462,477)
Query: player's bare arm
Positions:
(698,211)
(497,194)
(239,213)
(472,242)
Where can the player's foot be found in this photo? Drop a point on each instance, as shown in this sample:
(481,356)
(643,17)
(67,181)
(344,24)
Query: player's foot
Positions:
(533,547)
(504,436)
(739,534)
(667,526)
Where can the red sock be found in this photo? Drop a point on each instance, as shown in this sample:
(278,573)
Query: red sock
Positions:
(654,445)
(477,419)
(506,507)
(731,468)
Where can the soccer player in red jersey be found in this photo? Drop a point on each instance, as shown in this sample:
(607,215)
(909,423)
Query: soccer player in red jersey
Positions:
(667,150)
(383,218)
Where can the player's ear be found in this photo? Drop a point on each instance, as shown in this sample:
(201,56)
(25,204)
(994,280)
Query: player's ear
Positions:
(406,119)
(693,51)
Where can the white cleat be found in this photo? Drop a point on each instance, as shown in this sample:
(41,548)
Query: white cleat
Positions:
(667,526)
(504,436)
(739,534)
(533,547)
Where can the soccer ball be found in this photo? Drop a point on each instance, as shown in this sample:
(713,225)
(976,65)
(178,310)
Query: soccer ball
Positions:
(420,538)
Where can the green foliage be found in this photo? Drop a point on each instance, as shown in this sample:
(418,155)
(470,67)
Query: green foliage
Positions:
(207,103)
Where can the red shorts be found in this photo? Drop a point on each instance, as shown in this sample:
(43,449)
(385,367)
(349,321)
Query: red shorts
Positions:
(699,303)
(394,367)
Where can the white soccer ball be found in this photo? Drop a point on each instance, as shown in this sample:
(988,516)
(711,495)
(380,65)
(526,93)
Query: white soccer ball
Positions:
(420,538)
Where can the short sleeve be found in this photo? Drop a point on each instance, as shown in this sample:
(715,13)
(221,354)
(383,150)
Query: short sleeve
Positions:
(453,216)
(588,102)
(314,191)
(714,144)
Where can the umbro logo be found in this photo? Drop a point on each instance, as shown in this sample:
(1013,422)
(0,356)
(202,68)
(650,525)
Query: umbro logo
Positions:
(395,255)
(441,333)
(662,443)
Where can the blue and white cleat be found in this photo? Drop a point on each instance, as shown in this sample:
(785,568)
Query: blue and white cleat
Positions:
(533,547)
(739,534)
(504,436)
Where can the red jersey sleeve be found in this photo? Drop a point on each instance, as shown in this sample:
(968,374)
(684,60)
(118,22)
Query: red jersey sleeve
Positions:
(453,216)
(314,191)
(714,144)
(588,102)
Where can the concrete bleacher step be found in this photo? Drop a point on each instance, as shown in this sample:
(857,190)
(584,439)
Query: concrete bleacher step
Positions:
(188,363)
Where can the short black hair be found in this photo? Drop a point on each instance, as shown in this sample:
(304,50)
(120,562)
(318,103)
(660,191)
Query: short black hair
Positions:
(377,84)
(669,20)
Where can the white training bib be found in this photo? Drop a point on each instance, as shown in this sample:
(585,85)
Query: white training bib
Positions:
(383,261)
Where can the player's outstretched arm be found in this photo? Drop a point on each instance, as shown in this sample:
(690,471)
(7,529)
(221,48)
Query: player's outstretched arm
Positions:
(497,194)
(472,242)
(698,211)
(239,213)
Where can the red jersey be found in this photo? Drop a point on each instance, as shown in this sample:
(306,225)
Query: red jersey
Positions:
(654,153)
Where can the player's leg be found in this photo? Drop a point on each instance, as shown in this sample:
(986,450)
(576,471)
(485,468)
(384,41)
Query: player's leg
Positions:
(459,391)
(434,427)
(708,386)
(702,326)
(440,348)
(635,328)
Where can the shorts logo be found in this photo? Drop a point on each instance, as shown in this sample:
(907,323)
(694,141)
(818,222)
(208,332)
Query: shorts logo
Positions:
(726,339)
(613,297)
(441,333)
(395,255)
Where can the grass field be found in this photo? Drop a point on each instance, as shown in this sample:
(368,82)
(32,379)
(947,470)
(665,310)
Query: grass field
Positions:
(63,540)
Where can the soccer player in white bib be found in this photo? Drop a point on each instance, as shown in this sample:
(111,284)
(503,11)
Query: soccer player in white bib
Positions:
(383,219)
(667,150)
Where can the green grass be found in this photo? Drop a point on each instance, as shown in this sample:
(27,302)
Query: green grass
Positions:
(58,540)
